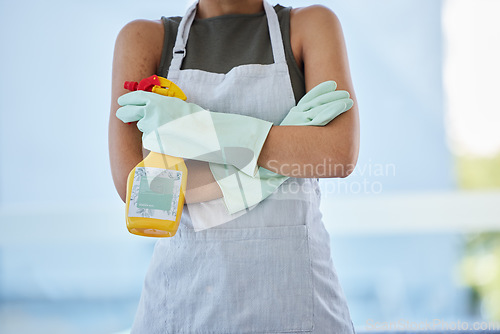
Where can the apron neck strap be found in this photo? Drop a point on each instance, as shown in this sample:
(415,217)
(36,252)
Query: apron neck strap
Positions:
(275,34)
(179,51)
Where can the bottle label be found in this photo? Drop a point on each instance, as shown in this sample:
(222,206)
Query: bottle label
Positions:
(155,193)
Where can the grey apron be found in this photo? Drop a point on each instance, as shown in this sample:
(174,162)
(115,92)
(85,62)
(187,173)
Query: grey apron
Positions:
(266,271)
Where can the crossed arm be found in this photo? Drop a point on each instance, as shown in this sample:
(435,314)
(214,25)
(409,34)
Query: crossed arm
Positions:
(318,45)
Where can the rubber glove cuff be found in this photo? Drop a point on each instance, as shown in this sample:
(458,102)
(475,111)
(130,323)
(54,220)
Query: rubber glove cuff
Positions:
(240,191)
(221,138)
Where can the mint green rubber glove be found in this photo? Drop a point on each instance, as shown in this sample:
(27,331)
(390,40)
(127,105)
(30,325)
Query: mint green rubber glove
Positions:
(174,127)
(318,107)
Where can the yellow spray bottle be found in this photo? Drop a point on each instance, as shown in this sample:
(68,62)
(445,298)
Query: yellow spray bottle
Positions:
(157,185)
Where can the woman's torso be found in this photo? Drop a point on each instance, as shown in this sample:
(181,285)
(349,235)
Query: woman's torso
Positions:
(249,41)
(270,269)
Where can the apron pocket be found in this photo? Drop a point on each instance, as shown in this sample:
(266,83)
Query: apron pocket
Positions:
(251,280)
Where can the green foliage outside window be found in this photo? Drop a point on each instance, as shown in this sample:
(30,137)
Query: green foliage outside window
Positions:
(478,172)
(481,271)
(481,263)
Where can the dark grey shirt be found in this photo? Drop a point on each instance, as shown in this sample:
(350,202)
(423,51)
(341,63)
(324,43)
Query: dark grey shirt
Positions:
(218,44)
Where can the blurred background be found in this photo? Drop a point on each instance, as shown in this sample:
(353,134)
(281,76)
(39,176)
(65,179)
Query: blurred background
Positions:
(415,230)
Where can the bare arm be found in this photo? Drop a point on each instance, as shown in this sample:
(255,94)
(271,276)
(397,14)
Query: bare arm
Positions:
(137,54)
(318,44)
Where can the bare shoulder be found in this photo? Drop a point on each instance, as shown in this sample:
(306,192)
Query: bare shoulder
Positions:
(314,17)
(313,10)
(310,27)
(144,37)
(142,28)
